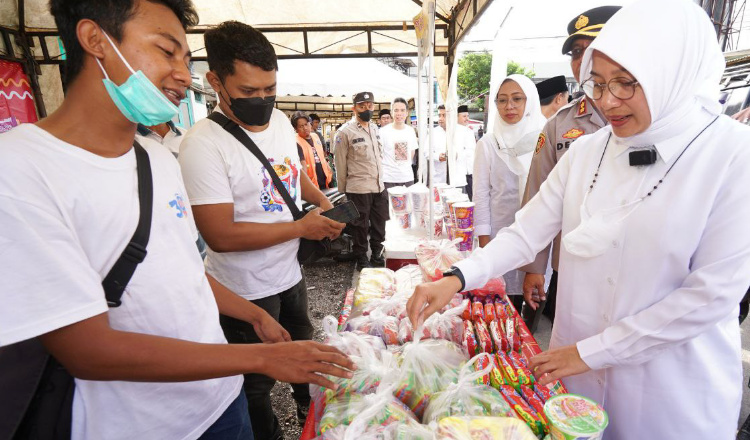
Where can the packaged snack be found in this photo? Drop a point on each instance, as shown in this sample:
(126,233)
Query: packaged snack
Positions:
(522,409)
(498,338)
(507,369)
(502,309)
(522,370)
(346,309)
(447,325)
(406,332)
(467,311)
(475,428)
(483,337)
(494,287)
(404,220)
(510,334)
(377,324)
(393,306)
(480,363)
(477,310)
(363,411)
(374,283)
(543,392)
(420,195)
(456,301)
(408,430)
(535,402)
(465,397)
(469,340)
(435,257)
(489,311)
(351,343)
(427,367)
(575,417)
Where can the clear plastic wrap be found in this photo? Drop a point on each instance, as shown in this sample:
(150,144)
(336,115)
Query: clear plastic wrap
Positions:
(435,257)
(407,278)
(495,286)
(473,428)
(377,324)
(374,283)
(362,412)
(427,367)
(466,397)
(447,325)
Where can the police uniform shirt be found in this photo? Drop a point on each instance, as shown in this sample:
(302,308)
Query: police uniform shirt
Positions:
(358,156)
(579,117)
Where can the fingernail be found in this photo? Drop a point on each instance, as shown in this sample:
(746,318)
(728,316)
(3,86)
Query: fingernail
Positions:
(349,375)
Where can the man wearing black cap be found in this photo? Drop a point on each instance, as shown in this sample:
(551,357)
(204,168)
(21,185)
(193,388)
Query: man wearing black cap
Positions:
(359,163)
(553,95)
(571,122)
(384,117)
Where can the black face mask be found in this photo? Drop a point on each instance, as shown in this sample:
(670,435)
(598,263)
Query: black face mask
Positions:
(365,115)
(252,111)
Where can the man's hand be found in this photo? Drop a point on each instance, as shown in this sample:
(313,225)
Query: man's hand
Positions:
(305,362)
(533,289)
(483,240)
(742,116)
(269,330)
(428,298)
(317,227)
(556,364)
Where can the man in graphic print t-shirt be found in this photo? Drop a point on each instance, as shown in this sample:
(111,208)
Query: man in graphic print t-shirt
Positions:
(252,237)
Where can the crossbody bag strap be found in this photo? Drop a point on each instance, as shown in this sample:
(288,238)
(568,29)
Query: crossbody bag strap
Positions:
(239,134)
(135,252)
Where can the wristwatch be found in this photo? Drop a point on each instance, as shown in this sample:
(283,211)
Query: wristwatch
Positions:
(456,272)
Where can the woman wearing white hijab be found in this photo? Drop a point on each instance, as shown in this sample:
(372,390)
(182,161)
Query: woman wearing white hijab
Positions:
(502,161)
(655,258)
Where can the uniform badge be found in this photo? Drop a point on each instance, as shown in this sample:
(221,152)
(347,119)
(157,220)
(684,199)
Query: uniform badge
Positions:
(582,22)
(540,142)
(573,133)
(582,108)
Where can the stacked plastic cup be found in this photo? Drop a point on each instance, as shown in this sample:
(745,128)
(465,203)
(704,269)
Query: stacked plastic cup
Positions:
(463,218)
(400,205)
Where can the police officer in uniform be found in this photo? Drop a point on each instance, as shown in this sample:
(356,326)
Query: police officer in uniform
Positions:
(359,163)
(579,117)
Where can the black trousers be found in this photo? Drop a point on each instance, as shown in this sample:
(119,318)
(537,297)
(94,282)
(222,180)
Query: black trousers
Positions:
(373,213)
(389,185)
(470,186)
(290,309)
(546,308)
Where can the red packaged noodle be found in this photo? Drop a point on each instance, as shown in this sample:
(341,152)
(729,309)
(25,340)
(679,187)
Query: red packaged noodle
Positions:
(524,411)
(467,312)
(517,340)
(502,310)
(477,310)
(498,338)
(536,403)
(480,364)
(542,392)
(523,332)
(469,340)
(489,311)
(483,337)
(507,369)
(529,350)
(496,377)
(510,332)
(522,371)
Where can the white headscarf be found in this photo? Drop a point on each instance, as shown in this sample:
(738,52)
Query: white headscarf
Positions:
(519,139)
(673,54)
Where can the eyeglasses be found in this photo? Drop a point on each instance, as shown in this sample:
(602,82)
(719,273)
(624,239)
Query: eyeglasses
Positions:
(576,53)
(516,101)
(620,88)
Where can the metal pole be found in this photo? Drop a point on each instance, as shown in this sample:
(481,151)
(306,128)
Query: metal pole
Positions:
(430,163)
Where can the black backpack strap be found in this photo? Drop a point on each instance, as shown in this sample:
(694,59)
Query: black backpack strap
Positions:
(239,134)
(135,252)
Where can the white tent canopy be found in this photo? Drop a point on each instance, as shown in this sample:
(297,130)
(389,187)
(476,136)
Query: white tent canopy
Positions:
(339,78)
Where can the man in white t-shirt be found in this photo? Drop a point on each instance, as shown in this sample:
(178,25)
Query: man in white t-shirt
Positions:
(464,148)
(252,236)
(157,366)
(439,149)
(399,144)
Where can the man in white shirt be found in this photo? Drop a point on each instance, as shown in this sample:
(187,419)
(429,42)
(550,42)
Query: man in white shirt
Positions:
(252,235)
(439,149)
(157,366)
(399,144)
(464,149)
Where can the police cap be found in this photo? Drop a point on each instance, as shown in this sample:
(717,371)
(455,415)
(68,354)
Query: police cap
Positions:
(588,24)
(363,97)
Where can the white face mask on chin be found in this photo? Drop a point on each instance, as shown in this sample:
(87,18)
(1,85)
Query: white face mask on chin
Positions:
(596,232)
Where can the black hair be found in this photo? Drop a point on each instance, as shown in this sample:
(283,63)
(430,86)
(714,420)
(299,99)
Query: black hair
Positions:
(441,107)
(296,116)
(111,15)
(314,117)
(548,100)
(402,101)
(232,40)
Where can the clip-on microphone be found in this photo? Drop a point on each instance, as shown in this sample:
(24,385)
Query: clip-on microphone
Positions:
(642,157)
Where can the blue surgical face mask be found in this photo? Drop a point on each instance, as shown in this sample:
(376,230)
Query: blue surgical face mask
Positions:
(138,98)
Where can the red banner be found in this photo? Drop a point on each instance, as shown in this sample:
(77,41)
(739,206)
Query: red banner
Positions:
(16,98)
